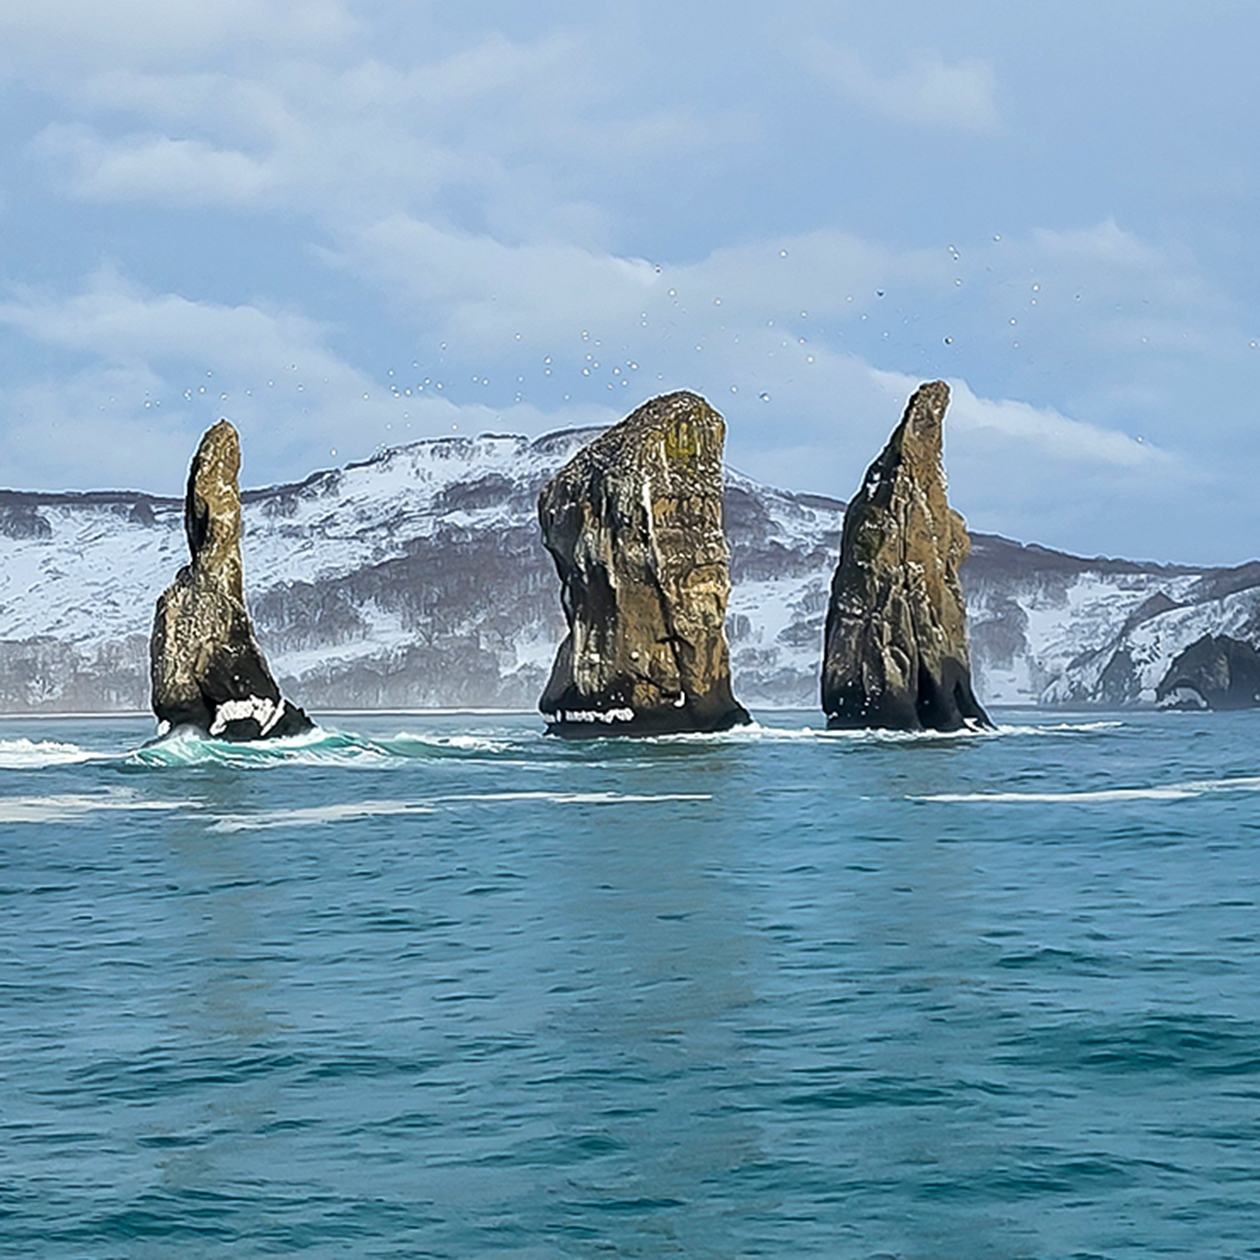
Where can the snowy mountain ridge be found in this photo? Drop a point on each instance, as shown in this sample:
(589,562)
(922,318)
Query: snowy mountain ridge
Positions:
(417,579)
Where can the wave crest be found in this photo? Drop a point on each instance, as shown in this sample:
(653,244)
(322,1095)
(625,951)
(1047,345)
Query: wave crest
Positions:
(317,747)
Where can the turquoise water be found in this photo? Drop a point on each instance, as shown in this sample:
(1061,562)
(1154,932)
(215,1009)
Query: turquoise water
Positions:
(446,988)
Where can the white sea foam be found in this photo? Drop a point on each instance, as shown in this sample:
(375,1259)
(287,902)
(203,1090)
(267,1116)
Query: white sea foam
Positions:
(1166,792)
(577,798)
(756,732)
(322,815)
(71,806)
(319,815)
(26,754)
(1064,728)
(323,747)
(1102,796)
(462,743)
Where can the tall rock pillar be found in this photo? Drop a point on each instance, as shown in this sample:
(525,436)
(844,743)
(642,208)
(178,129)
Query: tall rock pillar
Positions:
(208,671)
(895,653)
(634,524)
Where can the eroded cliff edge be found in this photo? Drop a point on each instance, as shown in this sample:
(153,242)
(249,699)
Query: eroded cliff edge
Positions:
(1214,672)
(207,669)
(895,653)
(634,525)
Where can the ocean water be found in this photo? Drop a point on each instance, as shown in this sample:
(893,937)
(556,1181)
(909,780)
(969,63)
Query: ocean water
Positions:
(443,987)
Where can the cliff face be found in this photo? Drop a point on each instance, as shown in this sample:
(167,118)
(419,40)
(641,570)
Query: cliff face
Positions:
(896,637)
(207,670)
(1214,672)
(634,525)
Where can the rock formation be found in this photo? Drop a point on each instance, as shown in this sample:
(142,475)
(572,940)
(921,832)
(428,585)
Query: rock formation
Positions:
(206,667)
(1214,672)
(634,524)
(441,536)
(896,639)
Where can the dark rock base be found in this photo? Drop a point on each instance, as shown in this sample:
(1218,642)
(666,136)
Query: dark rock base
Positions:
(642,725)
(292,721)
(947,704)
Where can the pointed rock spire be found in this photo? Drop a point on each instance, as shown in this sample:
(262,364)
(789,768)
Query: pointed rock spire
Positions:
(208,671)
(896,642)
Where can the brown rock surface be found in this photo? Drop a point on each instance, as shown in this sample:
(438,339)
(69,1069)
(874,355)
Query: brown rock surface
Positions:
(896,641)
(206,667)
(634,524)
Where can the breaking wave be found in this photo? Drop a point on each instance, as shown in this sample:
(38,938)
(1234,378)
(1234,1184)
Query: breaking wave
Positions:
(318,747)
(325,747)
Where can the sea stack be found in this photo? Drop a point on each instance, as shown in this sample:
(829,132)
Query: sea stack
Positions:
(895,653)
(634,524)
(207,669)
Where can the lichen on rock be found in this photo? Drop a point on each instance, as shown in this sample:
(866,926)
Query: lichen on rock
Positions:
(634,524)
(207,669)
(895,653)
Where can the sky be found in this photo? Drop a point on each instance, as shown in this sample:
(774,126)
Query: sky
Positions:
(346,225)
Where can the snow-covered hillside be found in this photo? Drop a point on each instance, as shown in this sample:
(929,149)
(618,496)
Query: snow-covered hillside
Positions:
(418,579)
(1063,630)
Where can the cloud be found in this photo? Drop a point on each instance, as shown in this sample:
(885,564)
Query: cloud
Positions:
(146,372)
(507,131)
(1104,242)
(238,143)
(90,429)
(787,337)
(65,35)
(154,369)
(588,202)
(928,93)
(484,291)
(119,321)
(1160,294)
(1042,428)
(186,173)
(537,337)
(743,325)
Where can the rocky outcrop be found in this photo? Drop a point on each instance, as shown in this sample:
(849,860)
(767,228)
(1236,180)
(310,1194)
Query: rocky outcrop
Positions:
(634,525)
(896,637)
(417,578)
(206,667)
(1214,672)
